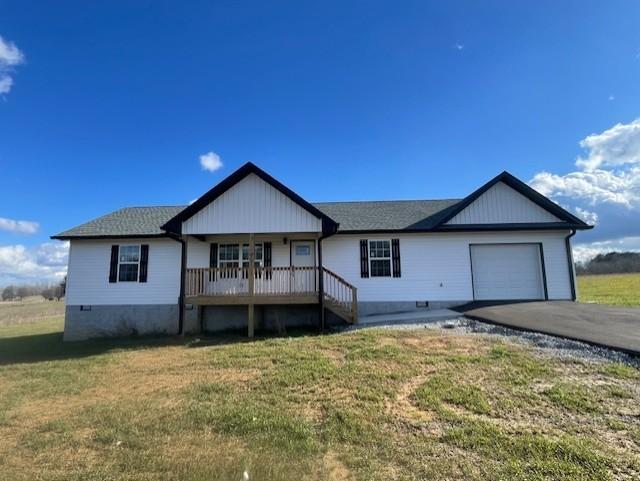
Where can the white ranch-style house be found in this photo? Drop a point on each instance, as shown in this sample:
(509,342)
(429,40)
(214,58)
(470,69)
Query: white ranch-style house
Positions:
(251,253)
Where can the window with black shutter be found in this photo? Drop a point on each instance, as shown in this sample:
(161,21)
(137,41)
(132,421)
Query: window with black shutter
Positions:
(395,257)
(113,268)
(364,258)
(267,259)
(213,260)
(144,262)
(128,263)
(380,258)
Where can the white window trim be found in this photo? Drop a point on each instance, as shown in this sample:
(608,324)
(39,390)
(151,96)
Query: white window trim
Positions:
(240,258)
(390,258)
(139,246)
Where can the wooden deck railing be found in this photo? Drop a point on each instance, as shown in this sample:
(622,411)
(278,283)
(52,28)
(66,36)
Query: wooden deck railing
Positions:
(340,295)
(267,281)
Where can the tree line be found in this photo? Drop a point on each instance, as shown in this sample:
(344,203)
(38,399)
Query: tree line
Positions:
(611,263)
(47,291)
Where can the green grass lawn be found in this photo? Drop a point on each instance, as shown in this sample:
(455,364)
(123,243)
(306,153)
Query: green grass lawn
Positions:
(614,289)
(365,405)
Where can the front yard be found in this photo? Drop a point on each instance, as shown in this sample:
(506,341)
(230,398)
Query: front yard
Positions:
(371,404)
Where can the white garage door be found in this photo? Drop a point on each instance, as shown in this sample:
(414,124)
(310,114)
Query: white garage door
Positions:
(506,271)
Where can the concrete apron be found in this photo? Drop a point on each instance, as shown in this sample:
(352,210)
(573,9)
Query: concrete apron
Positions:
(432,315)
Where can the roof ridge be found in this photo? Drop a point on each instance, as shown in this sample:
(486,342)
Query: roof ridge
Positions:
(386,200)
(151,206)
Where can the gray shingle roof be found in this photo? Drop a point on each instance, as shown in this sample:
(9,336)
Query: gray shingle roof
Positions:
(386,215)
(352,216)
(130,221)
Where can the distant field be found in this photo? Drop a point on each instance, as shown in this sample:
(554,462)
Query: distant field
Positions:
(30,310)
(614,289)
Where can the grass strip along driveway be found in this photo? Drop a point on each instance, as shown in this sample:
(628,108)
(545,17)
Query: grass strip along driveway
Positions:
(365,405)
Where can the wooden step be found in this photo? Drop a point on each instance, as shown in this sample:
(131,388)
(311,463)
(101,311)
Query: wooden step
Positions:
(339,311)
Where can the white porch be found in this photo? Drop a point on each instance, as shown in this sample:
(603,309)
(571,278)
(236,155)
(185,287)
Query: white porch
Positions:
(263,269)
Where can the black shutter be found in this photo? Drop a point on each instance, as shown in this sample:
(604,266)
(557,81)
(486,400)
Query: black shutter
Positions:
(266,254)
(364,258)
(395,256)
(113,268)
(213,259)
(144,262)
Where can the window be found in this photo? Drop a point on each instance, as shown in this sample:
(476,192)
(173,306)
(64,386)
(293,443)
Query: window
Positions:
(257,254)
(380,258)
(303,250)
(229,256)
(128,263)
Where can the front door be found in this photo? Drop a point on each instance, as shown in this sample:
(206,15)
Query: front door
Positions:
(303,255)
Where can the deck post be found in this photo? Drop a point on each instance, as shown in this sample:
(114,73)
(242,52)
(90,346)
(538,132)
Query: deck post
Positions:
(250,317)
(320,285)
(251,280)
(184,241)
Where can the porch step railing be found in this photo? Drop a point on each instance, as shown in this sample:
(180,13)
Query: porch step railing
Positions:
(267,281)
(340,296)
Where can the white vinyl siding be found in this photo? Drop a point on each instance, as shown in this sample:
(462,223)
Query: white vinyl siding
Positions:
(88,274)
(437,267)
(252,205)
(502,204)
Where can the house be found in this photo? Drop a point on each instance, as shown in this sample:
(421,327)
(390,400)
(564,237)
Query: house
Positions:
(252,253)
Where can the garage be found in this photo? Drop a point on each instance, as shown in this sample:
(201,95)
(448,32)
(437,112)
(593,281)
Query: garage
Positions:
(507,272)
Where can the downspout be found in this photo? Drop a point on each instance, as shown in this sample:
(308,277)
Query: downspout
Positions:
(183,266)
(572,274)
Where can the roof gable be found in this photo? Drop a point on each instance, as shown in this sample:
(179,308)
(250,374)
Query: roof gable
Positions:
(506,200)
(251,205)
(328,225)
(502,204)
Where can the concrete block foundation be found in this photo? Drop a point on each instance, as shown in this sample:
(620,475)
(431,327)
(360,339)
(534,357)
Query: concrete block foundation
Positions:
(87,322)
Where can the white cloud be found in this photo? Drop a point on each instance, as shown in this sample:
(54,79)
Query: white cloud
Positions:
(458,46)
(587,216)
(614,147)
(603,189)
(584,252)
(210,161)
(598,186)
(19,226)
(10,56)
(609,173)
(5,84)
(612,97)
(22,265)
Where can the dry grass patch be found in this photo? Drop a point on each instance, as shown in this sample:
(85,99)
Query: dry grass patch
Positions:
(374,404)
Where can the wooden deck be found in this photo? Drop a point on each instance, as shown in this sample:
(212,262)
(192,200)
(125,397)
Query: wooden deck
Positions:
(246,299)
(255,286)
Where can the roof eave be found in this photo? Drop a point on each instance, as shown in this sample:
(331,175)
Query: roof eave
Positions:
(473,228)
(108,236)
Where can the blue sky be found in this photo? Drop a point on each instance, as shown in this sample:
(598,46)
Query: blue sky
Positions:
(111,104)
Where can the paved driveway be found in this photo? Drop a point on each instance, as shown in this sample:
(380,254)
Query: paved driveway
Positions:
(616,327)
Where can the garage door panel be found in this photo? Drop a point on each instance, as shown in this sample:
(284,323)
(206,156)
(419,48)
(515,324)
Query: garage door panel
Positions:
(506,271)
